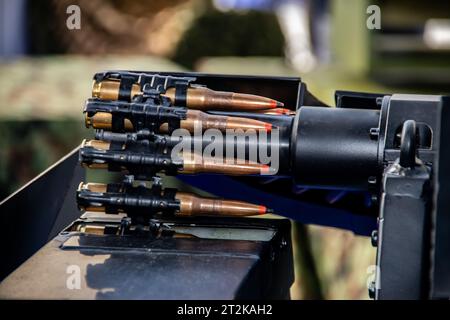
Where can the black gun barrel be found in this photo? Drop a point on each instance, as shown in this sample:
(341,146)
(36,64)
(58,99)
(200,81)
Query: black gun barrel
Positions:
(334,148)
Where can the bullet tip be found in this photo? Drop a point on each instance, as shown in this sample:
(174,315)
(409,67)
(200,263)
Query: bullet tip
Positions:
(262,210)
(265,169)
(265,210)
(273,104)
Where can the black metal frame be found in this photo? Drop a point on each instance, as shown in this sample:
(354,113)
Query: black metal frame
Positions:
(38,211)
(413,213)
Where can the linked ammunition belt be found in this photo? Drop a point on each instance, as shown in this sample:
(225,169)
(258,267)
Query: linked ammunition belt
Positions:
(134,114)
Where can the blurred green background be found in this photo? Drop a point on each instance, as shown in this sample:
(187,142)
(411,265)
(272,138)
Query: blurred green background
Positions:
(46,72)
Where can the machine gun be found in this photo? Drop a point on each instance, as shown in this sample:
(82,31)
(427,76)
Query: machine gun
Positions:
(388,147)
(385,154)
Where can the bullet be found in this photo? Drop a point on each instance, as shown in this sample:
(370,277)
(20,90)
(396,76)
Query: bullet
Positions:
(192,205)
(193,163)
(202,98)
(195,118)
(189,204)
(93,188)
(97,145)
(188,163)
(199,98)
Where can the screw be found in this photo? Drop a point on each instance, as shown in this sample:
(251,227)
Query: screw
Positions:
(374,133)
(372,290)
(374,199)
(374,238)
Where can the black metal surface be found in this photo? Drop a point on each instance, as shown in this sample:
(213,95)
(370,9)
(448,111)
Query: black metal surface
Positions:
(359,100)
(423,109)
(129,267)
(37,212)
(332,147)
(440,271)
(403,234)
(410,142)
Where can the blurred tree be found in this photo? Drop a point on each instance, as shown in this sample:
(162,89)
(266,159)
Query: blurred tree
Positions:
(216,33)
(110,26)
(185,30)
(29,147)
